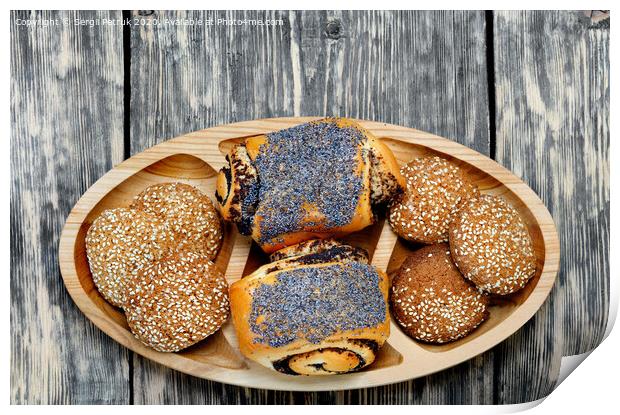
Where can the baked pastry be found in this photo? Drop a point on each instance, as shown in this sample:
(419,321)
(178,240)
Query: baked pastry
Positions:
(188,212)
(436,189)
(321,249)
(302,317)
(491,245)
(119,243)
(316,180)
(432,301)
(177,301)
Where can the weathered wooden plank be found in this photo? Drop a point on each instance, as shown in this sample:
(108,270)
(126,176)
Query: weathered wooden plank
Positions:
(421,69)
(552,95)
(66,131)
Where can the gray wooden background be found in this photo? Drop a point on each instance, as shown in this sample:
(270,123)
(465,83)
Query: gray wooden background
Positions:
(530,89)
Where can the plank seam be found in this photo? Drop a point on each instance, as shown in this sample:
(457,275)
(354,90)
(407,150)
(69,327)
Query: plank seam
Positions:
(126,84)
(490,55)
(126,14)
(490,64)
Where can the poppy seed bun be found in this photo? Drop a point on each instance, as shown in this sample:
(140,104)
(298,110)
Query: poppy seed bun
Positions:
(316,180)
(177,302)
(432,301)
(119,243)
(311,318)
(435,191)
(491,245)
(188,212)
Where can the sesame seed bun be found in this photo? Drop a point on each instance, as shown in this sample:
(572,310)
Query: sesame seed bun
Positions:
(119,243)
(177,302)
(431,300)
(435,191)
(189,213)
(491,245)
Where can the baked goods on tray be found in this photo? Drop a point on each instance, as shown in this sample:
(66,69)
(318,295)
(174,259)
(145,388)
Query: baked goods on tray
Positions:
(315,180)
(436,189)
(440,293)
(153,259)
(491,245)
(319,307)
(432,301)
(306,317)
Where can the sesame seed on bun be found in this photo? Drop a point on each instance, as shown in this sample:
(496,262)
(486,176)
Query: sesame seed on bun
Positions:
(431,300)
(188,212)
(177,302)
(491,245)
(119,243)
(435,191)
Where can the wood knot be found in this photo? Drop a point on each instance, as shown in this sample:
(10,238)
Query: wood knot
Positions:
(333,29)
(145,12)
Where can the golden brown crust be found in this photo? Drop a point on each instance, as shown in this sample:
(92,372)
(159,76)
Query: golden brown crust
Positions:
(436,189)
(178,301)
(253,144)
(116,249)
(316,251)
(362,218)
(491,245)
(431,300)
(334,352)
(187,212)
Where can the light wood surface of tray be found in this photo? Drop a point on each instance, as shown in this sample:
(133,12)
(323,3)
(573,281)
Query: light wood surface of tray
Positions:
(196,157)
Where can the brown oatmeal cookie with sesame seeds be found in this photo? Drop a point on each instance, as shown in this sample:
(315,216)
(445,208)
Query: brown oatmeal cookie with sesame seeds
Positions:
(491,245)
(436,189)
(177,302)
(432,301)
(188,212)
(119,243)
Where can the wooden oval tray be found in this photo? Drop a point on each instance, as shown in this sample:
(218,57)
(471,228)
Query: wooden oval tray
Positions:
(196,157)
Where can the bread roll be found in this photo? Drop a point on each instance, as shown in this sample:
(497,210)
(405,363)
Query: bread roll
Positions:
(301,317)
(177,301)
(313,181)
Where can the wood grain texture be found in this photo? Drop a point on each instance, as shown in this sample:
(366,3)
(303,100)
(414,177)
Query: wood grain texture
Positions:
(552,93)
(425,70)
(556,104)
(66,131)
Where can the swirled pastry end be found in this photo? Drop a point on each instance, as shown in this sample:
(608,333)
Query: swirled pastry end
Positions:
(237,189)
(311,319)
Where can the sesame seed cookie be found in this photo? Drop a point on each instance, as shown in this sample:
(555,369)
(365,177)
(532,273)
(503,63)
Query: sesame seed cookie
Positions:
(491,245)
(435,191)
(177,302)
(432,301)
(188,212)
(119,243)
